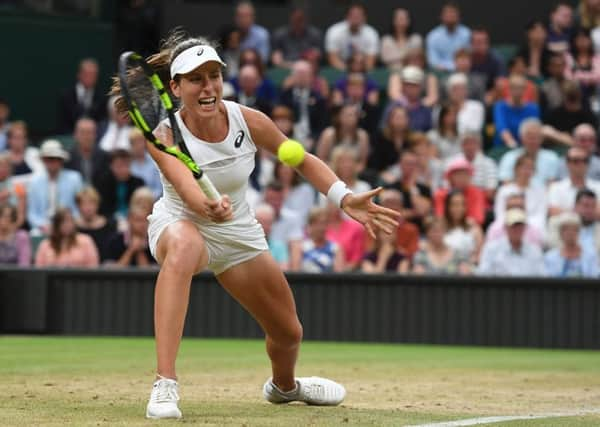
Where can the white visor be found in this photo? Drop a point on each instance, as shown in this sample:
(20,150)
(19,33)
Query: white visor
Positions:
(192,58)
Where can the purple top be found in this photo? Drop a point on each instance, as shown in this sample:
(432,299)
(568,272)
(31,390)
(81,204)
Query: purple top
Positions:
(16,250)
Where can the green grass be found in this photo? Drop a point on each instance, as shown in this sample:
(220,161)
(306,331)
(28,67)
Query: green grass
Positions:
(54,381)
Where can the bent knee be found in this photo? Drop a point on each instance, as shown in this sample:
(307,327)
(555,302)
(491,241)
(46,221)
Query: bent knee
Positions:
(182,247)
(288,335)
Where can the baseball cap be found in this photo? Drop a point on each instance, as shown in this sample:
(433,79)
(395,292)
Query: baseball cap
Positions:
(193,57)
(412,74)
(459,164)
(515,216)
(53,149)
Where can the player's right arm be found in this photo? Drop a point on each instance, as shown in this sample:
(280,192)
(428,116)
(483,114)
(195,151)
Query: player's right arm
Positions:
(184,183)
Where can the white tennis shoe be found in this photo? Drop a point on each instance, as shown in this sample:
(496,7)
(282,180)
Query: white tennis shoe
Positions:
(311,390)
(163,400)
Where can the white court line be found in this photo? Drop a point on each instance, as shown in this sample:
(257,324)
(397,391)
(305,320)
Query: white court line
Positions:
(499,419)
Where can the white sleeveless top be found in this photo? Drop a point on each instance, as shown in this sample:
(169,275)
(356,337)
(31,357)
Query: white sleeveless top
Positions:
(228,164)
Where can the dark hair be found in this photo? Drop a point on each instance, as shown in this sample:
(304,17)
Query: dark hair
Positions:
(274,185)
(558,4)
(585,192)
(55,237)
(410,29)
(534,23)
(480,29)
(120,153)
(449,222)
(521,159)
(581,32)
(4,101)
(260,65)
(356,4)
(296,179)
(386,131)
(452,4)
(512,61)
(444,111)
(12,210)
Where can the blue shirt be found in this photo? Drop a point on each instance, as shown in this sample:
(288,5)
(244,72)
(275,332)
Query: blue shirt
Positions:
(558,266)
(442,45)
(148,171)
(318,259)
(257,38)
(507,117)
(547,165)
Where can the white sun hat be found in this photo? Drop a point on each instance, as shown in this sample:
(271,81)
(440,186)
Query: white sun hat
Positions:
(193,57)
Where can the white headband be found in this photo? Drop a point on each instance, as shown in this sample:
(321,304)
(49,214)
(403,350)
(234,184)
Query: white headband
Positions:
(192,58)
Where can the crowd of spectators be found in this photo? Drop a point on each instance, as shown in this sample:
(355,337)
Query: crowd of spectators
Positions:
(491,161)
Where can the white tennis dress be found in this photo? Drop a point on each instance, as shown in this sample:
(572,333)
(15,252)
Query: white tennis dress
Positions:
(228,164)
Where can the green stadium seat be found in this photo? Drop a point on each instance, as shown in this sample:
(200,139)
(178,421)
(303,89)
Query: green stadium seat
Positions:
(506,51)
(277,75)
(496,153)
(67,141)
(331,74)
(380,76)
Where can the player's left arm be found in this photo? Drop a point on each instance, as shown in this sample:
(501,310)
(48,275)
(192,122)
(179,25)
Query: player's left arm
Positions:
(359,206)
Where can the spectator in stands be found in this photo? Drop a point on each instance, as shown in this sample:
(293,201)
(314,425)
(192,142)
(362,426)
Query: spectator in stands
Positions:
(485,171)
(536,204)
(583,64)
(117,185)
(516,67)
(309,107)
(407,234)
(15,247)
(86,157)
(266,88)
(352,35)
(484,61)
(584,136)
(470,113)
(351,239)
(114,133)
(463,235)
(25,160)
(367,100)
(287,227)
(551,89)
(534,50)
(65,247)
(561,194)
(344,131)
(385,257)
(458,174)
(415,195)
(546,161)
(229,44)
(53,189)
(497,229)
(411,98)
(588,14)
(509,114)
(571,258)
(299,195)
(4,124)
(561,121)
(11,193)
(90,222)
(247,93)
(252,36)
(142,198)
(142,165)
(445,137)
(560,28)
(435,257)
(445,39)
(400,40)
(370,92)
(265,215)
(512,255)
(476,82)
(430,169)
(289,43)
(586,206)
(430,90)
(318,83)
(388,143)
(83,99)
(130,248)
(345,163)
(319,254)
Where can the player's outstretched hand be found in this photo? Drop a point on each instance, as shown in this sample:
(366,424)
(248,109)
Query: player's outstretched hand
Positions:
(361,207)
(219,210)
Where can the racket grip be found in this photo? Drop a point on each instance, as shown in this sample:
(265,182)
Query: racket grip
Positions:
(209,189)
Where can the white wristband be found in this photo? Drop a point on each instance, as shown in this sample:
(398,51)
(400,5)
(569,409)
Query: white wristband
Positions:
(336,193)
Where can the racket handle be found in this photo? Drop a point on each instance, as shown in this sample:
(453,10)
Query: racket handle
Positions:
(209,189)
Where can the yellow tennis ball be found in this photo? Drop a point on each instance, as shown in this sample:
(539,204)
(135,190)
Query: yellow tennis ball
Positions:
(291,152)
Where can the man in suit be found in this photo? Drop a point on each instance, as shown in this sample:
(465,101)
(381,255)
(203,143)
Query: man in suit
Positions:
(86,157)
(83,99)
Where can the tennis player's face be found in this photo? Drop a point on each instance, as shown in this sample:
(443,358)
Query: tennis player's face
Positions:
(201,90)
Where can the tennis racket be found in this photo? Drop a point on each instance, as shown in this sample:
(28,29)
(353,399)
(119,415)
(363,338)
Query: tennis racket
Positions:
(149,103)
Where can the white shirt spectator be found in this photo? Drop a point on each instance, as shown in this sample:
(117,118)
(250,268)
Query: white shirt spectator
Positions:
(562,194)
(536,205)
(470,117)
(341,40)
(287,227)
(498,258)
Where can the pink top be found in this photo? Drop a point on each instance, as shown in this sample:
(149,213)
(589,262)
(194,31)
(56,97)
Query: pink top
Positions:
(83,254)
(350,235)
(587,77)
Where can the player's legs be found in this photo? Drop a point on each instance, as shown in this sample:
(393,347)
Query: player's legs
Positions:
(181,252)
(260,286)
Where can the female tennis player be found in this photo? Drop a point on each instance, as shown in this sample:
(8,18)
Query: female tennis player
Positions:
(189,232)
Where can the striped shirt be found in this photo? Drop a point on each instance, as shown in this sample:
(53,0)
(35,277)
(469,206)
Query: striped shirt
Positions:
(485,170)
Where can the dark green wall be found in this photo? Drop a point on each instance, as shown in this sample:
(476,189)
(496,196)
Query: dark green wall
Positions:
(40,56)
